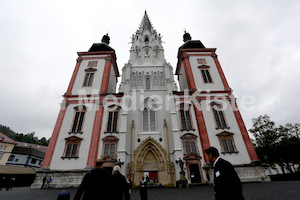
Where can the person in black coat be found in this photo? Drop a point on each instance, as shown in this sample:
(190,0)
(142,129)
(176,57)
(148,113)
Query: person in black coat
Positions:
(227,184)
(129,183)
(95,184)
(118,185)
(143,189)
(44,181)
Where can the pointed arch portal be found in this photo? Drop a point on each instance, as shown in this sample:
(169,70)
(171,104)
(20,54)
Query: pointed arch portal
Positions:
(151,157)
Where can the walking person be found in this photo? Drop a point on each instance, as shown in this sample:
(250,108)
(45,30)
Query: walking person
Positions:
(227,184)
(143,189)
(49,179)
(129,183)
(3,183)
(94,184)
(118,185)
(11,183)
(44,181)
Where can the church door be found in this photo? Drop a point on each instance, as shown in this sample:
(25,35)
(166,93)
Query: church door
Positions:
(195,173)
(153,176)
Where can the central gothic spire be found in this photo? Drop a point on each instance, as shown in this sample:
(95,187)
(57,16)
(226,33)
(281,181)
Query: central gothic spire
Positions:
(146,49)
(146,23)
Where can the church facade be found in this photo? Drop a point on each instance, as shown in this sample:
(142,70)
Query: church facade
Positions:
(149,127)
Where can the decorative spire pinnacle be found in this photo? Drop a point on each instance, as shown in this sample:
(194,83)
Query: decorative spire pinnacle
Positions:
(146,23)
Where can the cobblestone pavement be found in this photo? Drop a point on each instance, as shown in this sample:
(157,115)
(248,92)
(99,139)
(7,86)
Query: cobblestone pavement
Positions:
(287,190)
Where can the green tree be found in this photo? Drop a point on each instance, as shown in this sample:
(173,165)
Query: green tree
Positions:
(277,145)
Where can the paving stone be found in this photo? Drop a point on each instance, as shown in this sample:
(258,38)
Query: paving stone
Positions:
(287,190)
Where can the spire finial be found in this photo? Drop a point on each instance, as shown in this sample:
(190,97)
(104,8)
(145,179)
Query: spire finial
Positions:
(105,39)
(186,36)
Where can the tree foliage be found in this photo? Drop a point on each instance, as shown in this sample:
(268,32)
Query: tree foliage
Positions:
(28,138)
(277,145)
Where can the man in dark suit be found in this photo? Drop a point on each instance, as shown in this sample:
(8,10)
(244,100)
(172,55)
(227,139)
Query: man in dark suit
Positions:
(227,184)
(95,184)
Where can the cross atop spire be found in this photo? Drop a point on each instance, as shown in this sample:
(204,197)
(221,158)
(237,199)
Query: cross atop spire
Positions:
(146,23)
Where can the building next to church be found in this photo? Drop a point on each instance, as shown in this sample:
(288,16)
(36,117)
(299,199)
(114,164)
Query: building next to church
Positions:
(27,155)
(6,146)
(149,126)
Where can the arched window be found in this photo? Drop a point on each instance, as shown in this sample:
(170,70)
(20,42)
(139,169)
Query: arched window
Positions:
(149,115)
(145,120)
(11,158)
(146,39)
(147,84)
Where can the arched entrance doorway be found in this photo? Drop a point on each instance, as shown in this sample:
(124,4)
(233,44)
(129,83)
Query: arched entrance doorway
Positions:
(150,159)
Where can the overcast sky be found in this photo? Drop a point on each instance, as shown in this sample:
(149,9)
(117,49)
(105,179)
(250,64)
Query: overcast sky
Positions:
(258,46)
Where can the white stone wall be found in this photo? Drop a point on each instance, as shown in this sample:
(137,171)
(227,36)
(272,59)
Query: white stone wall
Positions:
(216,85)
(60,179)
(246,173)
(97,80)
(242,157)
(112,81)
(80,163)
(182,79)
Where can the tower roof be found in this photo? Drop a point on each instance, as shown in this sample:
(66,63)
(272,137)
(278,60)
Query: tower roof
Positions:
(146,23)
(192,44)
(104,46)
(6,139)
(189,43)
